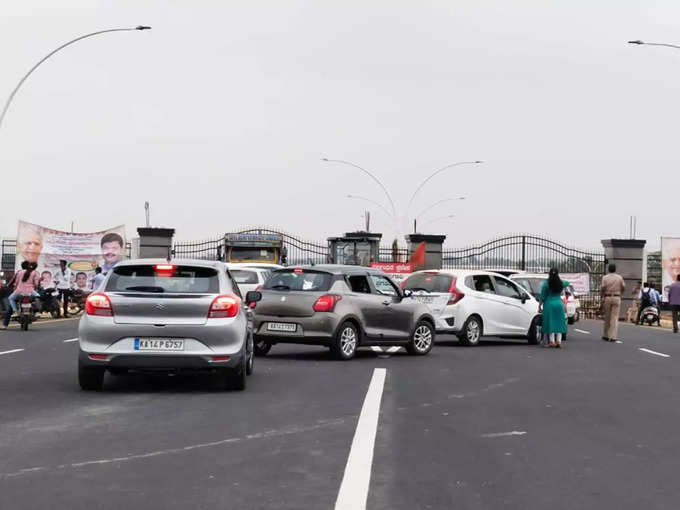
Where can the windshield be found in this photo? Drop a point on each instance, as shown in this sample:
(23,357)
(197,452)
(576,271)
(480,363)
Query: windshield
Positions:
(242,253)
(164,279)
(297,279)
(429,282)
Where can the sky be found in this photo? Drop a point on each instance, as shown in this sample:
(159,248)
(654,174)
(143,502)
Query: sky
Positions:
(221,114)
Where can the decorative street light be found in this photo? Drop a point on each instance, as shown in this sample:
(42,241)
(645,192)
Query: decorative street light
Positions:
(436,172)
(21,82)
(372,202)
(438,219)
(436,204)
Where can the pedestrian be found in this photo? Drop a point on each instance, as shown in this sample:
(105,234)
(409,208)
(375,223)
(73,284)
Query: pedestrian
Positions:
(63,280)
(611,291)
(551,307)
(98,278)
(656,302)
(27,281)
(674,301)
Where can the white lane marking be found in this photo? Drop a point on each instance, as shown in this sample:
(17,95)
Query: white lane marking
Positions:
(375,348)
(582,331)
(70,340)
(393,349)
(619,342)
(10,352)
(654,352)
(357,477)
(505,434)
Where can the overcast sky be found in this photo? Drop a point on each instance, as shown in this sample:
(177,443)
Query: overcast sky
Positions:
(220,116)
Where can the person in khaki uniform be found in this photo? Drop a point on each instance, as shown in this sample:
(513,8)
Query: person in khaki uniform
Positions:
(611,291)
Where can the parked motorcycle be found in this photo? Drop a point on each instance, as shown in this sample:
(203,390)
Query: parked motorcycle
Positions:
(77,302)
(48,302)
(650,315)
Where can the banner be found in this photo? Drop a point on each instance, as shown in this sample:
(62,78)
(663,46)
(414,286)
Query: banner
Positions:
(83,252)
(398,271)
(670,262)
(580,282)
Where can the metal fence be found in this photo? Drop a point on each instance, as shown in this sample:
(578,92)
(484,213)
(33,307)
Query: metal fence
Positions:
(654,271)
(524,252)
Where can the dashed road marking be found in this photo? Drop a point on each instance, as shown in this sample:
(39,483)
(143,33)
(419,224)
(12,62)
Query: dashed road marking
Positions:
(10,352)
(70,340)
(357,477)
(654,352)
(506,434)
(582,331)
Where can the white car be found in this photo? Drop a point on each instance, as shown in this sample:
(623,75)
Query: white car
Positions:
(250,276)
(472,304)
(533,282)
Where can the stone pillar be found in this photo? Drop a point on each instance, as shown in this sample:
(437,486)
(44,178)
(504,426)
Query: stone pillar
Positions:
(433,249)
(629,257)
(155,242)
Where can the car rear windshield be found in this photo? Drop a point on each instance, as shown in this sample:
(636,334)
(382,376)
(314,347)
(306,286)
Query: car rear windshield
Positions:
(242,276)
(164,278)
(429,282)
(297,279)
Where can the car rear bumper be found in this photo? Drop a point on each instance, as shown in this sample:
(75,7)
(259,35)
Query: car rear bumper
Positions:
(159,361)
(318,329)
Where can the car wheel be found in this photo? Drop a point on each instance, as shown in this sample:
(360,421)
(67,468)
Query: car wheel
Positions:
(534,335)
(250,363)
(346,341)
(422,339)
(235,378)
(90,378)
(472,331)
(571,320)
(262,348)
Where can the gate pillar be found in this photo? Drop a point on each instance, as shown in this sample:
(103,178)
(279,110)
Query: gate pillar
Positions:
(155,242)
(628,255)
(433,249)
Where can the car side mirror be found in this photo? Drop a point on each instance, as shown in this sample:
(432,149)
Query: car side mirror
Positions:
(524,298)
(253,296)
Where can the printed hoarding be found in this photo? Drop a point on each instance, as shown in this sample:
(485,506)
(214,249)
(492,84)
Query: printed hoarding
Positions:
(83,252)
(670,262)
(398,271)
(580,282)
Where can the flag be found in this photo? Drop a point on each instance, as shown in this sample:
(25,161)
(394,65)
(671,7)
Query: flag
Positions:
(418,256)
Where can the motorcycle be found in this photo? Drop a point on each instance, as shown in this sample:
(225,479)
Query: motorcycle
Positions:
(650,314)
(48,302)
(25,312)
(77,302)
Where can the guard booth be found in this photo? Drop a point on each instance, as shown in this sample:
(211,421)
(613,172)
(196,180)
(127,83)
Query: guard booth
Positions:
(355,248)
(259,248)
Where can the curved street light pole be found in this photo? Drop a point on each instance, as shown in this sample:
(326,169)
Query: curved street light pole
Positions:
(21,82)
(436,204)
(439,219)
(387,193)
(436,172)
(655,44)
(372,202)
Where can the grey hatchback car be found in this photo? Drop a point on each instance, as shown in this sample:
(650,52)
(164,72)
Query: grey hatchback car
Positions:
(155,315)
(340,307)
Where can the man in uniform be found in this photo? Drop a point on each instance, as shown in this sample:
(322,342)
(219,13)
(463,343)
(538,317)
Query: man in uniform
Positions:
(611,291)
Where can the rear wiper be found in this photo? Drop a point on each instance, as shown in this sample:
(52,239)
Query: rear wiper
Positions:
(146,288)
(282,287)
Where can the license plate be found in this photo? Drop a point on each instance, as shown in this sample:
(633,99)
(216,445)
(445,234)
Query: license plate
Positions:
(26,305)
(650,317)
(428,300)
(281,326)
(158,344)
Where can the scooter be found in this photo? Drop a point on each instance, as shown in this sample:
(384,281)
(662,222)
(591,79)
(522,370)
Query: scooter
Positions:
(48,302)
(650,314)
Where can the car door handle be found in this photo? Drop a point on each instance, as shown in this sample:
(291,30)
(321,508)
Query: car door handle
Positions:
(387,303)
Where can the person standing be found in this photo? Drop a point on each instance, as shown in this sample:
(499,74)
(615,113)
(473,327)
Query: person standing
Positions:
(551,307)
(674,301)
(63,280)
(98,278)
(611,291)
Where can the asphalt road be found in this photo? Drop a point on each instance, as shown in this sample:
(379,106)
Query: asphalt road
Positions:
(501,425)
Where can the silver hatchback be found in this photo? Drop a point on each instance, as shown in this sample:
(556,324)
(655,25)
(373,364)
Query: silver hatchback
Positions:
(155,315)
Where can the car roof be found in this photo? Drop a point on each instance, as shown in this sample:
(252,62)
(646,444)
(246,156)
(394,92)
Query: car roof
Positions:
(530,275)
(216,264)
(253,265)
(338,269)
(460,272)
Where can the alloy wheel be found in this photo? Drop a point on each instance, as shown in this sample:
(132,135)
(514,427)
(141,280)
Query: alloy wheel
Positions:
(473,332)
(348,341)
(422,338)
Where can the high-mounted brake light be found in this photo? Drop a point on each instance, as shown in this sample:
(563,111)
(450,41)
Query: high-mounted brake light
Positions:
(98,303)
(326,303)
(224,306)
(165,267)
(298,270)
(455,295)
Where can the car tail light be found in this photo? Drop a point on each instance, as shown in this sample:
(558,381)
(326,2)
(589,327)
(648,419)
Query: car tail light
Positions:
(224,306)
(455,295)
(98,304)
(99,357)
(326,303)
(220,358)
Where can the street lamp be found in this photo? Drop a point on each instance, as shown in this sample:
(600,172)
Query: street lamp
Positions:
(438,219)
(654,44)
(372,202)
(394,210)
(415,219)
(436,172)
(21,82)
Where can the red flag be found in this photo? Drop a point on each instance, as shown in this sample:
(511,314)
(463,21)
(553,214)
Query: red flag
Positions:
(418,256)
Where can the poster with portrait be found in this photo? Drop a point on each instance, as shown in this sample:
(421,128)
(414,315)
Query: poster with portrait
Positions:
(670,262)
(83,252)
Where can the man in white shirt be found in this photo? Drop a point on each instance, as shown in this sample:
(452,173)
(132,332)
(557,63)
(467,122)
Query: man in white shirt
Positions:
(98,279)
(62,278)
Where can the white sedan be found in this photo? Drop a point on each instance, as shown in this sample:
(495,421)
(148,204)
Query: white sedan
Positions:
(472,304)
(250,276)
